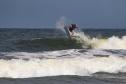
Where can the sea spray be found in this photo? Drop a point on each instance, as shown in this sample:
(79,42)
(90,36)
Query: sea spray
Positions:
(83,39)
(60,24)
(113,42)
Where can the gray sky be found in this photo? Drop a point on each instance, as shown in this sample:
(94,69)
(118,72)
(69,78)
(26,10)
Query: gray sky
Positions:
(45,13)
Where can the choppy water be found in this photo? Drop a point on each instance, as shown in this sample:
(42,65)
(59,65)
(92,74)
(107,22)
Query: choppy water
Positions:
(98,56)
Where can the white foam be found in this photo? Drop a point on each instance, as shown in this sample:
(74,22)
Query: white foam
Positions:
(60,24)
(73,63)
(113,42)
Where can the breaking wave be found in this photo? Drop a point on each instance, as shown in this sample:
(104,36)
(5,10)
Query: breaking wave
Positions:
(84,41)
(64,62)
(113,42)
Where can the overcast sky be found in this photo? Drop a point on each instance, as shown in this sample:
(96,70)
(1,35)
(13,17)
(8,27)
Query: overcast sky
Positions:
(45,13)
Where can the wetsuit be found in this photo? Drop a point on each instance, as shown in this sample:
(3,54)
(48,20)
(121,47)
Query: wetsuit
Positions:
(72,27)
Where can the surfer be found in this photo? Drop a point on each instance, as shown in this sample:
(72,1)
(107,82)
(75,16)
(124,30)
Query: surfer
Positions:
(71,28)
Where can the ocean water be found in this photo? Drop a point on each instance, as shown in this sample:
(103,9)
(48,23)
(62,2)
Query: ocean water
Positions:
(47,56)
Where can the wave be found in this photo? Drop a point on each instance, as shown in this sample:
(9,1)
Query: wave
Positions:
(84,41)
(66,62)
(113,42)
(43,44)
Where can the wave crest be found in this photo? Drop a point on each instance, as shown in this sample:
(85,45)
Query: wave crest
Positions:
(81,66)
(113,42)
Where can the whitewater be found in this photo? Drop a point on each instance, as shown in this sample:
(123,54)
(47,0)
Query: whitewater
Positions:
(64,62)
(113,42)
(26,54)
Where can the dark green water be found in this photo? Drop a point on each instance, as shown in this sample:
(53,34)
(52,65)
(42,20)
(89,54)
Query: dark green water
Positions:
(33,40)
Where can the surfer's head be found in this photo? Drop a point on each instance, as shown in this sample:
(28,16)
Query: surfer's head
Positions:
(74,25)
